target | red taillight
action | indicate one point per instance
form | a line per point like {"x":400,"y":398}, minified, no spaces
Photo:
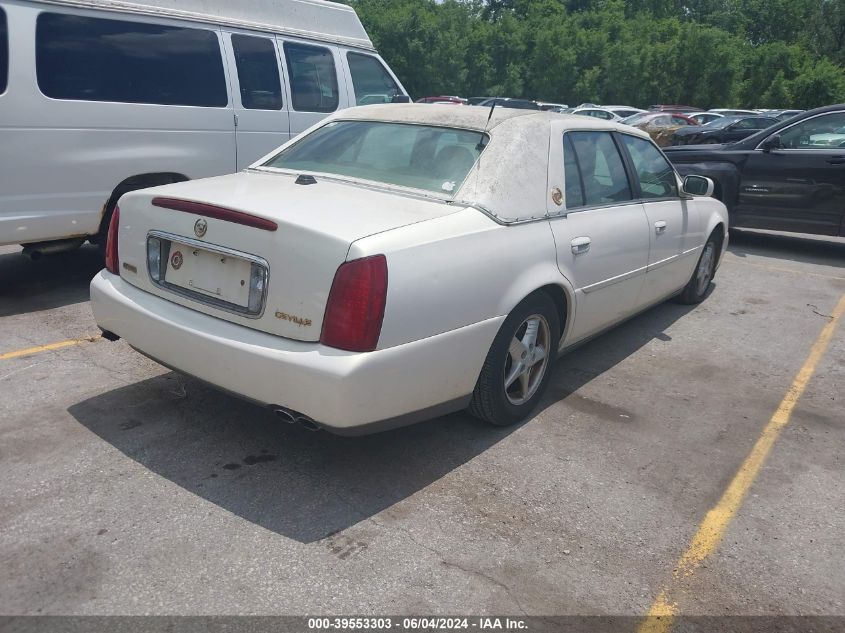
{"x":112,"y":263}
{"x":355,"y":309}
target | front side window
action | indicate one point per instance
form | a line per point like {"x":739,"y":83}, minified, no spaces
{"x":602,"y":172}
{"x":417,"y":156}
{"x":95,"y":59}
{"x":4,"y":52}
{"x":820,"y":132}
{"x":372,"y":83}
{"x":313,"y":78}
{"x":655,"y":174}
{"x":258,"y":72}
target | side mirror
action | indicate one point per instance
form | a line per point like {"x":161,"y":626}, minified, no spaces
{"x":773,"y":142}
{"x":697,"y":186}
{"x":400,"y":99}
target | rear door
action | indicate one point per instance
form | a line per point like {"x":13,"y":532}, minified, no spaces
{"x":601,"y":231}
{"x":801,"y":186}
{"x":261,"y":110}
{"x":316,"y":87}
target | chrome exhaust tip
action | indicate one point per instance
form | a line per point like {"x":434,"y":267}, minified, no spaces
{"x":295,"y":417}
{"x":286,"y":415}
{"x":308,"y":423}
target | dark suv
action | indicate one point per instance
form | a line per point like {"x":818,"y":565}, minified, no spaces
{"x":789,"y":177}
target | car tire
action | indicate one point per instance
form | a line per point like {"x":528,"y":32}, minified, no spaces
{"x":515,"y":376}
{"x":702,"y":277}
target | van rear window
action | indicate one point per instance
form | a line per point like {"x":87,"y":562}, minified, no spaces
{"x":4,"y":52}
{"x":95,"y":59}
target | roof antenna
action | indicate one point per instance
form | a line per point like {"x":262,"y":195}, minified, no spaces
{"x":481,"y":145}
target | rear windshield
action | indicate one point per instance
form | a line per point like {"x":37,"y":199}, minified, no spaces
{"x":422,"y":157}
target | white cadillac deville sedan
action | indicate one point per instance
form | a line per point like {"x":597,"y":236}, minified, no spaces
{"x":398,"y":262}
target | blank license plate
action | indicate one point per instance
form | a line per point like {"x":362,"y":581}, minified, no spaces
{"x":213,"y":274}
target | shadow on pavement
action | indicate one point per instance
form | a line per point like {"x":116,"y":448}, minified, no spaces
{"x":51,"y":282}
{"x":808,"y":249}
{"x":304,"y":485}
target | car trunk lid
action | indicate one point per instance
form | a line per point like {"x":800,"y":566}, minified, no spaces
{"x":255,"y":248}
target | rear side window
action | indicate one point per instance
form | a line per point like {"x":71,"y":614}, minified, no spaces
{"x":258,"y":72}
{"x":4,"y":52}
{"x":93,"y":59}
{"x":572,"y":176}
{"x":313,"y":78}
{"x":600,"y":168}
{"x":372,"y":83}
{"x":656,"y":176}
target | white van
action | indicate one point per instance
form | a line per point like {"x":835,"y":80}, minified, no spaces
{"x":101,"y":97}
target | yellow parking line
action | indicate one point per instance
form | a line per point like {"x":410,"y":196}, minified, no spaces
{"x":47,"y":348}
{"x":715,"y":523}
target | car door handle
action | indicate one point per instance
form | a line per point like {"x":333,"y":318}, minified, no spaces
{"x":660,"y":227}
{"x":836,"y":160}
{"x":580,"y":245}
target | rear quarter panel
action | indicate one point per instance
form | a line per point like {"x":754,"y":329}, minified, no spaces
{"x":458,"y":270}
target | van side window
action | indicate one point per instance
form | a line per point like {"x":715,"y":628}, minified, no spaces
{"x":313,"y":79}
{"x":4,"y":52}
{"x":95,"y":59}
{"x":372,"y":83}
{"x":258,"y":72}
{"x":602,"y":170}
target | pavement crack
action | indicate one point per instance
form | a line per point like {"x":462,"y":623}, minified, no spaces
{"x":815,"y":310}
{"x":458,"y":566}
{"x":488,"y":578}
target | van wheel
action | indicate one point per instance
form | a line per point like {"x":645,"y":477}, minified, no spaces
{"x":699,"y":284}
{"x":519,"y":364}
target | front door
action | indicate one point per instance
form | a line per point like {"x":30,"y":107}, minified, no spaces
{"x":601,"y":231}
{"x":261,"y":113}
{"x":801,"y":185}
{"x":673,"y":223}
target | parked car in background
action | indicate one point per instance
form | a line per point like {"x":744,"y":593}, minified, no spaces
{"x":477,"y":100}
{"x":673,"y":108}
{"x":507,"y":102}
{"x":783,"y":115}
{"x":552,"y":107}
{"x":110,"y":97}
{"x":661,"y":126}
{"x":703,"y":118}
{"x":396,"y":263}
{"x":623,"y":112}
{"x":728,"y":129}
{"x":734,"y":112}
{"x":789,"y":177}
{"x":597,"y":113}
{"x":442,"y":99}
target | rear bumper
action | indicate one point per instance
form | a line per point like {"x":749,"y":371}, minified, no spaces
{"x":342,"y":391}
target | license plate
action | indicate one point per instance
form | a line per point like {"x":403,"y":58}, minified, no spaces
{"x":222,"y":276}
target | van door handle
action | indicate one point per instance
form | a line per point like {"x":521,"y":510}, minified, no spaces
{"x":580,"y":245}
{"x":836,"y":160}
{"x":660,"y":227}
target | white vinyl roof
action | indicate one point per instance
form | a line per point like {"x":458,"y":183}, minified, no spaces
{"x":509,"y":181}
{"x":312,"y":19}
